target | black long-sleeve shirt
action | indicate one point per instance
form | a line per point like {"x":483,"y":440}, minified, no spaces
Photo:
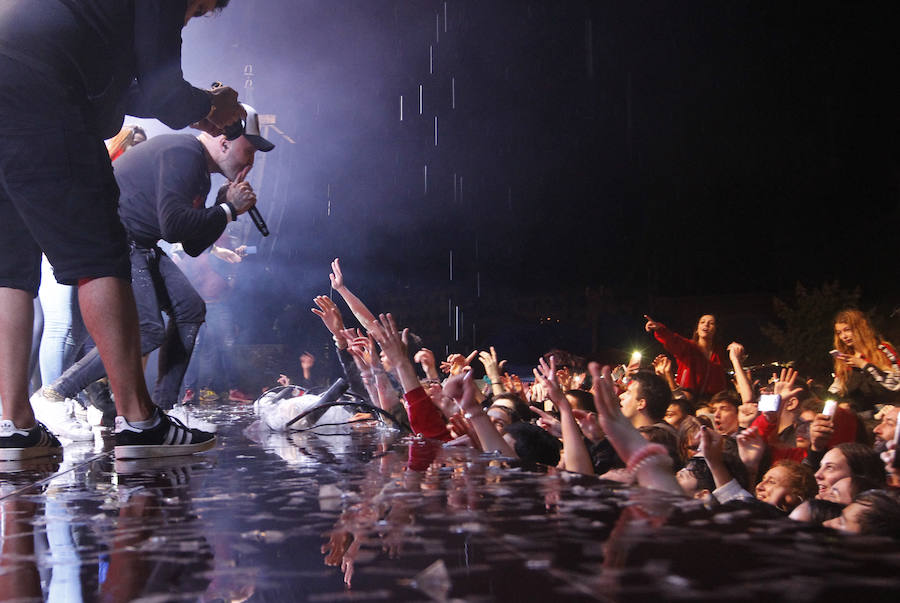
{"x":164,"y":183}
{"x":114,"y":56}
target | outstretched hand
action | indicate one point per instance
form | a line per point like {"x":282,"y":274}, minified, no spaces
{"x":329,"y":313}
{"x":492,"y":366}
{"x":457,"y":363}
{"x":651,"y":325}
{"x":751,"y":447}
{"x":784,"y":387}
{"x":336,"y":276}
{"x":546,"y":375}
{"x":621,"y":433}
{"x":393,"y":342}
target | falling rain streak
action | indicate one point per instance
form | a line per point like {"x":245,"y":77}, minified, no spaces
{"x":435,"y":130}
{"x":401,"y":107}
{"x":431,"y":60}
{"x":420,"y":99}
{"x":426,"y":179}
{"x":451,"y":265}
{"x":453,"y":93}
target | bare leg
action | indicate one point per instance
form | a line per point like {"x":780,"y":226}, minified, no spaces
{"x":110,"y":315}
{"x":15,"y":349}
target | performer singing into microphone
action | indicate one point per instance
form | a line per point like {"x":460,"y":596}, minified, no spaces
{"x":164,"y":183}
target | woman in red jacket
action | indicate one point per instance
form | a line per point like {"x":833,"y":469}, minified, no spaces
{"x":700,"y":370}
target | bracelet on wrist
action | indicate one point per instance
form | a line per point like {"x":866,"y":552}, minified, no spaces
{"x":637,"y":458}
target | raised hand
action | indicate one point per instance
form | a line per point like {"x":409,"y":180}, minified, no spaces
{"x":548,"y":422}
{"x":564,"y":378}
{"x":492,"y":366}
{"x":662,"y":365}
{"x":457,"y":363}
{"x":462,"y":388}
{"x":307,"y":361}
{"x":589,"y":424}
{"x":736,"y":351}
{"x":547,"y":375}
{"x":425,"y":357}
{"x":621,"y":433}
{"x":751,"y":447}
{"x":820,"y":432}
{"x":336,"y":276}
{"x":330,"y":314}
{"x":284,"y":380}
{"x":784,"y":387}
{"x":651,"y":325}
{"x":393,"y":343}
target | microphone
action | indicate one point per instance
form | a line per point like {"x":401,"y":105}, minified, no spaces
{"x":329,"y":396}
{"x":258,"y":221}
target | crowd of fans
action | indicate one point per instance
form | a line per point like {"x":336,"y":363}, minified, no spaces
{"x":695,"y":423}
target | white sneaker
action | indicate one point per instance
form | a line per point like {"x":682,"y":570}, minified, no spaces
{"x":190,"y":419}
{"x":59,"y":417}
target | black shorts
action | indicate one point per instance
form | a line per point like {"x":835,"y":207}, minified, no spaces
{"x":57,"y":190}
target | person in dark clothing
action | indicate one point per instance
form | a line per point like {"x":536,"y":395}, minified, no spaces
{"x":164,"y":184}
{"x":69,"y":71}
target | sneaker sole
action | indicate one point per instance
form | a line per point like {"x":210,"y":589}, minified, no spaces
{"x":34,"y":452}
{"x":162,"y":450}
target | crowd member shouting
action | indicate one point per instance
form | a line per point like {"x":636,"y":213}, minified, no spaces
{"x":866,"y":370}
{"x":700,"y":371}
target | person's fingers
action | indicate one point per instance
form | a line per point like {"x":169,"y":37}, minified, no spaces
{"x":542,"y":413}
{"x":318,"y":312}
{"x":471,"y":357}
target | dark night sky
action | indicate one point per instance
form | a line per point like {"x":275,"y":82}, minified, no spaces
{"x":663,"y":148}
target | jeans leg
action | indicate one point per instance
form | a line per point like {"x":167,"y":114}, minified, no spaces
{"x":90,"y":367}
{"x":57,"y":343}
{"x":186,"y":314}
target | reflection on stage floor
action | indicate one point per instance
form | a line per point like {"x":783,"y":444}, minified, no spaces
{"x":365,"y":514}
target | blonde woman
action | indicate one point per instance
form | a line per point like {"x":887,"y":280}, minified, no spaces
{"x":865,"y":367}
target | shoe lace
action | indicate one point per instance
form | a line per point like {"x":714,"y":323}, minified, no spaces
{"x":177,"y":422}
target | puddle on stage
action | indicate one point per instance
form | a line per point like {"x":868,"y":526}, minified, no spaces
{"x":363,"y":514}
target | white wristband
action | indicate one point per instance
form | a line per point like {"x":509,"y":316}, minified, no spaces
{"x":228,"y":216}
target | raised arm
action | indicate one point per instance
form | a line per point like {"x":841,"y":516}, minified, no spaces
{"x":424,"y":416}
{"x":650,"y":463}
{"x":493,"y":368}
{"x":737,"y":355}
{"x":359,"y":309}
{"x":462,"y":388}
{"x":575,"y":453}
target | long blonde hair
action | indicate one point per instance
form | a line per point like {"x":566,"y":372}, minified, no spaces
{"x":123,"y":141}
{"x":865,"y":341}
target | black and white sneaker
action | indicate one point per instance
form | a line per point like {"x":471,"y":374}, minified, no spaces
{"x":169,"y":437}
{"x":20,"y":444}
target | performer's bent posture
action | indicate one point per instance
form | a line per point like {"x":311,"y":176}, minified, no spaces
{"x":164,"y":183}
{"x":68,"y":73}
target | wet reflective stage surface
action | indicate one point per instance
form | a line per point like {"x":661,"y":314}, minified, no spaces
{"x":369,"y":516}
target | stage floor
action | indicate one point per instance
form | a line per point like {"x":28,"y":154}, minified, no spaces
{"x":370,"y":516}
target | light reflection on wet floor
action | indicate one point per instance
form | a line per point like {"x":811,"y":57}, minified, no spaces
{"x":292,"y":519}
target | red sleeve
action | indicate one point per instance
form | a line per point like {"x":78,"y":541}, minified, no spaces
{"x":762,"y":424}
{"x":674,"y":343}
{"x":424,"y":417}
